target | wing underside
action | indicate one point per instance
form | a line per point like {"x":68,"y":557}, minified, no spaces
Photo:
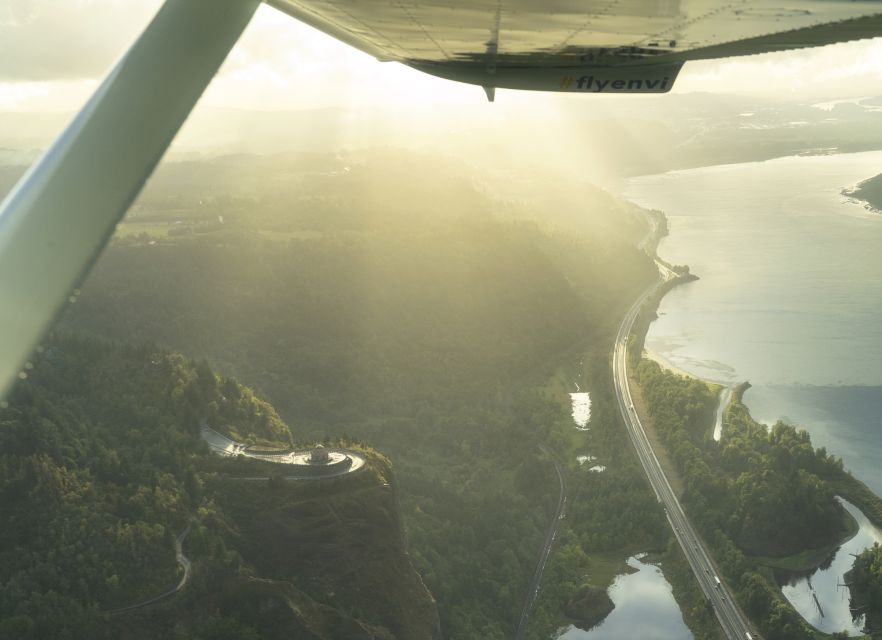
{"x":550,"y":45}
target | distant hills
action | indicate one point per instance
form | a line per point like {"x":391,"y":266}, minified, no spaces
{"x":597,"y":139}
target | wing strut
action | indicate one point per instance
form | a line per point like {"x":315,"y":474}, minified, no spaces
{"x":57,"y":219}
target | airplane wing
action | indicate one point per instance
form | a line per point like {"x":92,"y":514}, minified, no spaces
{"x":599,"y":46}
{"x":55,"y":222}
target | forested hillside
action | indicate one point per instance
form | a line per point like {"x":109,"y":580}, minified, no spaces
{"x":406,"y":301}
{"x":99,"y":450}
{"x":357,"y":293}
{"x":102,"y":467}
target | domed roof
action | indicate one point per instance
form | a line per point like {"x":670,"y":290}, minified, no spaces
{"x":319,"y":455}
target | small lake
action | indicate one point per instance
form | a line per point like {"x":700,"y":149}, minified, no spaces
{"x":817,"y":594}
{"x":645,"y":609}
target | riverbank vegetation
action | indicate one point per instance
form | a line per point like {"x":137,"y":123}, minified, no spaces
{"x":870,"y":191}
{"x":865,"y":583}
{"x":758,"y":492}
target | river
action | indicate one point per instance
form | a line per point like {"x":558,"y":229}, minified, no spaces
{"x":790,"y":295}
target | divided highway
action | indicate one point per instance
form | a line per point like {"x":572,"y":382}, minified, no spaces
{"x":733,"y":621}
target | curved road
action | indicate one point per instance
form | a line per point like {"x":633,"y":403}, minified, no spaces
{"x":546,"y":548}
{"x":734,"y":622}
{"x":228,"y":448}
{"x":183,"y":560}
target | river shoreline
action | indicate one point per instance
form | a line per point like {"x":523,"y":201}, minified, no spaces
{"x":856,"y":193}
{"x":866,"y":500}
{"x":853,"y":489}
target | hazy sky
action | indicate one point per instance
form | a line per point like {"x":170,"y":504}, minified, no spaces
{"x":52,"y":52}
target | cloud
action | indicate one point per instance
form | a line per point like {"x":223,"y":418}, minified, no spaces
{"x":44,"y":40}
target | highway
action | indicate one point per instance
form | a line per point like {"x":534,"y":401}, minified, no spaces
{"x":732,"y":620}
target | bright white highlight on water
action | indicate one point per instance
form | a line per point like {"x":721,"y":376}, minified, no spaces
{"x":581,"y":409}
{"x":790,"y":290}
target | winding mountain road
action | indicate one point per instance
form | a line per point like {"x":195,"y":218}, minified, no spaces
{"x":185,"y":564}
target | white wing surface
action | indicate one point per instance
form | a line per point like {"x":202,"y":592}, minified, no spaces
{"x":615,"y":46}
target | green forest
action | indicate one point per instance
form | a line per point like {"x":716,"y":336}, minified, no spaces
{"x":759,"y":494}
{"x":421,"y":317}
{"x":865,"y":583}
{"x":99,"y":472}
{"x":103,"y":468}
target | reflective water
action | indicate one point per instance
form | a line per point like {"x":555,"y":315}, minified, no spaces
{"x":790,"y":295}
{"x":645,"y":609}
{"x":845,"y":420}
{"x":790,"y":298}
{"x":818,"y":596}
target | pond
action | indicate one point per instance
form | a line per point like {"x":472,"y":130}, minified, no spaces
{"x":645,"y":609}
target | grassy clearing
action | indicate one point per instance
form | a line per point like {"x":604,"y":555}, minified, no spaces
{"x":603,"y":567}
